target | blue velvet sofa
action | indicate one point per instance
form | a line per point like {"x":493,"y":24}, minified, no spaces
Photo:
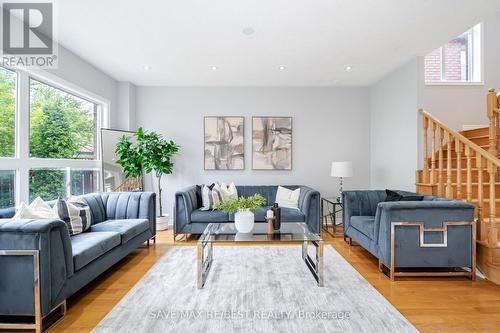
{"x":190,"y":219}
{"x":121,"y":223}
{"x":435,"y":235}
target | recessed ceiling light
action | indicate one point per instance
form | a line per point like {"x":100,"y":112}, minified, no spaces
{"x":248,"y":31}
{"x":214,"y":68}
{"x":348,"y":68}
{"x":146,"y":67}
{"x":282,"y":68}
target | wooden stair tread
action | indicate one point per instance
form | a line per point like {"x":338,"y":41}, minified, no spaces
{"x":474,"y":200}
{"x":484,"y":243}
{"x":471,"y":138}
{"x":455,"y":184}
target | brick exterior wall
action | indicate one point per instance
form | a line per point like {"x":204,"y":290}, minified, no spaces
{"x":453,"y":62}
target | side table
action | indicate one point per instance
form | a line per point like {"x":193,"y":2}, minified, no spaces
{"x":333,"y":207}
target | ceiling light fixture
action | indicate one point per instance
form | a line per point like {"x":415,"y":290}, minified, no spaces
{"x":348,"y":68}
{"x":282,"y":68}
{"x":248,"y":31}
{"x":146,"y":67}
{"x":214,"y":68}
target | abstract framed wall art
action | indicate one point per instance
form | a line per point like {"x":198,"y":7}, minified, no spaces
{"x":272,"y":143}
{"x":224,"y":143}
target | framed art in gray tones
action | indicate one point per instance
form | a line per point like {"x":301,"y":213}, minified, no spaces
{"x":224,"y":143}
{"x":272,"y":143}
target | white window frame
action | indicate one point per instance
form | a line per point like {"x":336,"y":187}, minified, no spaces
{"x":22,"y":162}
{"x":477,"y":61}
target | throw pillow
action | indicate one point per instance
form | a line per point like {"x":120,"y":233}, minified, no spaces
{"x":228,"y":192}
{"x":210,"y":196}
{"x":75,"y":213}
{"x":395,"y":196}
{"x":199,"y":200}
{"x":287,"y":198}
{"x":38,"y":209}
{"x":392,"y":196}
{"x":412,"y":198}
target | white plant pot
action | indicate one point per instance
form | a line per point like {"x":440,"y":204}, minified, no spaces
{"x":162,"y":222}
{"x":243,"y":236}
{"x":244,"y":220}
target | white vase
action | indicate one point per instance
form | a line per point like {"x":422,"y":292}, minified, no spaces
{"x":162,"y":222}
{"x":244,"y":220}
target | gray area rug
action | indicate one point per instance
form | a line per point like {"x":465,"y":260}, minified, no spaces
{"x":253,"y":289}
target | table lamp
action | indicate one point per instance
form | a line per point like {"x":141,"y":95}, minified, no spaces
{"x":341,"y":170}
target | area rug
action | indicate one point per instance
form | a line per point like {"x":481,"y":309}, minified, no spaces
{"x":253,"y":289}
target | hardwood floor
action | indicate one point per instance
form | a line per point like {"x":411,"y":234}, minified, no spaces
{"x":432,"y":305}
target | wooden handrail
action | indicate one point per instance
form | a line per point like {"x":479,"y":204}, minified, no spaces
{"x":459,"y":137}
{"x":130,"y":184}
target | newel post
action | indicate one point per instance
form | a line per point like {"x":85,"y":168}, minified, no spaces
{"x":425,"y":124}
{"x":493,"y":119}
{"x":492,"y":232}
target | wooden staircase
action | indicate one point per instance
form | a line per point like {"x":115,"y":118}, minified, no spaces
{"x":465,"y":166}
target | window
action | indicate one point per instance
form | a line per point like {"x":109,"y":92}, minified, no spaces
{"x":7,"y":112}
{"x":53,"y":152}
{"x":51,"y":184}
{"x":7,"y":193}
{"x":459,"y":61}
{"x":61,"y":125}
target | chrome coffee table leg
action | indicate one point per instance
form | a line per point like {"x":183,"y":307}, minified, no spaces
{"x":316,"y":265}
{"x":204,"y":262}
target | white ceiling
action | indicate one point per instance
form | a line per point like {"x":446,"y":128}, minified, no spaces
{"x":315,"y":39}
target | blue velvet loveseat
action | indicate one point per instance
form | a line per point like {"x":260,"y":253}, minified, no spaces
{"x":435,"y":235}
{"x":190,"y":219}
{"x":121,"y":222}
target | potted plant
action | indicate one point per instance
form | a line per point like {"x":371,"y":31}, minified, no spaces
{"x":244,"y":207}
{"x":151,"y":152}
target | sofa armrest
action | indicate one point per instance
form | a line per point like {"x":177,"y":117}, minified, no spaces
{"x":51,"y":239}
{"x":309,"y":204}
{"x":185,"y":204}
{"x":360,"y":203}
{"x":431,"y":213}
{"x":7,"y":213}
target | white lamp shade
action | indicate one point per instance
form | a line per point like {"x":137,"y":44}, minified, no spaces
{"x":342,"y":169}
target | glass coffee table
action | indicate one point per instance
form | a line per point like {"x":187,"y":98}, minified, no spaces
{"x":290,"y":233}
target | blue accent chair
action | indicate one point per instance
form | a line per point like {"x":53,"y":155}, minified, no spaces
{"x":121,"y":223}
{"x":190,"y":219}
{"x":435,"y":235}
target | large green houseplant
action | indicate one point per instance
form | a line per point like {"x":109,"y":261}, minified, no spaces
{"x":151,"y":152}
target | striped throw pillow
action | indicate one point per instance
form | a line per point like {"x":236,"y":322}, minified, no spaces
{"x":75,"y":213}
{"x":210,"y":195}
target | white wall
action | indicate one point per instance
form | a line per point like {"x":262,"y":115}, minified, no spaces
{"x":466,"y":104}
{"x":328,"y":124}
{"x":393,"y":128}
{"x":126,"y":106}
{"x":82,"y":75}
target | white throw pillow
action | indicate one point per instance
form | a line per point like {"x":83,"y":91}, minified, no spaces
{"x":38,"y":209}
{"x":287,"y":198}
{"x":228,"y":193}
{"x":210,"y":196}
